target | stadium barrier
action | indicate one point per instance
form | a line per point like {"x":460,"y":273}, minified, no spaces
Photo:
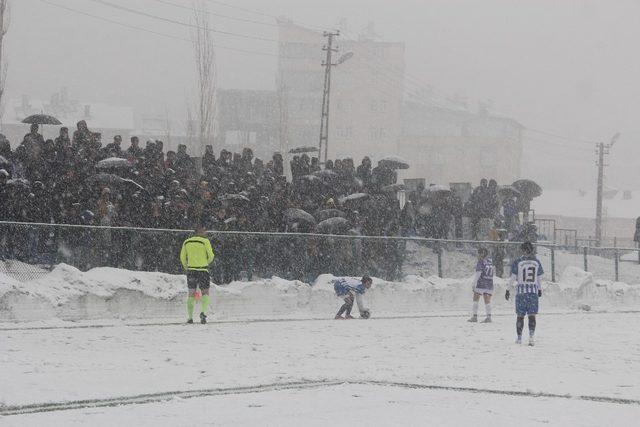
{"x":28,"y":251}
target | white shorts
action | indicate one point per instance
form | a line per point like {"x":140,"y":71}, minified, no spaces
{"x":483,"y":291}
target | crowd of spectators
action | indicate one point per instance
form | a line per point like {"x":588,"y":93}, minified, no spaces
{"x":75,"y":179}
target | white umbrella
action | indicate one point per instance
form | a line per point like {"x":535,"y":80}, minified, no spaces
{"x":113,"y":162}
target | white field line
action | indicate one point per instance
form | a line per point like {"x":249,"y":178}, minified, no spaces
{"x":295,"y":385}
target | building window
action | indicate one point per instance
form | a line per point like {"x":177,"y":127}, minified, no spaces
{"x":344,"y":131}
{"x":379,"y":105}
{"x":377,"y":132}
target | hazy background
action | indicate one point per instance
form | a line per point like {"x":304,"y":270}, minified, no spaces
{"x":568,"y":67}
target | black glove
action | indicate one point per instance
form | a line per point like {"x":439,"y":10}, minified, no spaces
{"x":507,"y":295}
{"x":539,"y":293}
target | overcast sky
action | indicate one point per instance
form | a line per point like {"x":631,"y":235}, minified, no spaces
{"x":568,"y":67}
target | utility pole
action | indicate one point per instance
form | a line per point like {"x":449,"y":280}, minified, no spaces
{"x":4,"y":26}
{"x":602,"y":150}
{"x":324,"y":120}
{"x":600,"y":163}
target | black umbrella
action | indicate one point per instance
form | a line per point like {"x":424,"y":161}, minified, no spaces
{"x":298,"y":215}
{"x":394,"y":162}
{"x":19,"y":183}
{"x":353,"y":199}
{"x":114,"y":163}
{"x":438,"y":189}
{"x":116,"y":181}
{"x":300,"y":150}
{"x":42,"y":119}
{"x":357,"y":183}
{"x":230,"y":221}
{"x":507,"y":191}
{"x":311,"y":178}
{"x":4,"y":163}
{"x":393,"y":188}
{"x":233,"y":198}
{"x":131,"y":184}
{"x":333,"y":225}
{"x":528,"y":188}
{"x":326,"y":174}
{"x":329,"y":213}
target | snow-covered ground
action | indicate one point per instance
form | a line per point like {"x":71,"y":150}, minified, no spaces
{"x":437,"y":370}
{"x":108,"y":293}
{"x":348,"y":405}
{"x":110,"y":346}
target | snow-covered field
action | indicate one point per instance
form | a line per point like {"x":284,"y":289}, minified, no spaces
{"x":431,"y":370}
{"x":108,"y":347}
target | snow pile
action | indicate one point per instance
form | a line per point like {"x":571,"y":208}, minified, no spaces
{"x":579,"y":289}
{"x":575,"y":278}
{"x":68,"y":293}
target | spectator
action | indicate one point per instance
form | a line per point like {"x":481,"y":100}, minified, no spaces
{"x":235,"y":192}
{"x":115,"y":148}
{"x":209,"y":164}
{"x":134,"y":152}
{"x":83,"y":138}
{"x":364,"y":172}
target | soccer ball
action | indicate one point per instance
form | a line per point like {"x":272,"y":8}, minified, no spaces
{"x":365,"y":314}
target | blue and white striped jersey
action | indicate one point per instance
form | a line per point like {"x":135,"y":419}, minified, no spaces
{"x":526,"y":272}
{"x":344,"y":285}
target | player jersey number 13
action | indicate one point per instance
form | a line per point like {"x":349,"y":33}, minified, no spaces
{"x":528,"y":272}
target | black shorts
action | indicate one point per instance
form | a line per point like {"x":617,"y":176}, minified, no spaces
{"x":198,"y":279}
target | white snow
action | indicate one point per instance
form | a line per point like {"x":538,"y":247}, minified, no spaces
{"x":348,"y":405}
{"x":109,"y":293}
{"x":579,"y":354}
{"x":109,"y":333}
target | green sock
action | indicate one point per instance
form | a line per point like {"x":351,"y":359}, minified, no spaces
{"x":204,"y":303}
{"x":191,"y":301}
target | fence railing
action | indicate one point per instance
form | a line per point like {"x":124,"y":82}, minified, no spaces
{"x":30,"y":250}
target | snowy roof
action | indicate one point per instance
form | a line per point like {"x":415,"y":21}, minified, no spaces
{"x":581,"y":204}
{"x":97,"y":115}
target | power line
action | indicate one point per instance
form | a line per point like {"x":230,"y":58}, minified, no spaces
{"x":219,"y":15}
{"x":134,"y":27}
{"x":567,"y":145}
{"x":555,"y":135}
{"x":390,"y":71}
{"x":184,"y":24}
{"x":257,"y":12}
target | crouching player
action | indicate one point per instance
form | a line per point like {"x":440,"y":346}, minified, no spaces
{"x":482,"y":285}
{"x":349,"y":289}
{"x":526,"y":272}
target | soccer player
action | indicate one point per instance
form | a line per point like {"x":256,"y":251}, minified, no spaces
{"x":526,"y":272}
{"x":196,"y":255}
{"x":348,"y":289}
{"x":483,"y":285}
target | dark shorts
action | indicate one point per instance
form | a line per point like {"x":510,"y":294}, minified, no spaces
{"x":198,"y":279}
{"x":526,"y":304}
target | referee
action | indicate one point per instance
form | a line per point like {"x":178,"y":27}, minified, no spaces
{"x":196,"y":255}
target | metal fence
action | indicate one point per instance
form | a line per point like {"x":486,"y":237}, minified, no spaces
{"x":29,"y":251}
